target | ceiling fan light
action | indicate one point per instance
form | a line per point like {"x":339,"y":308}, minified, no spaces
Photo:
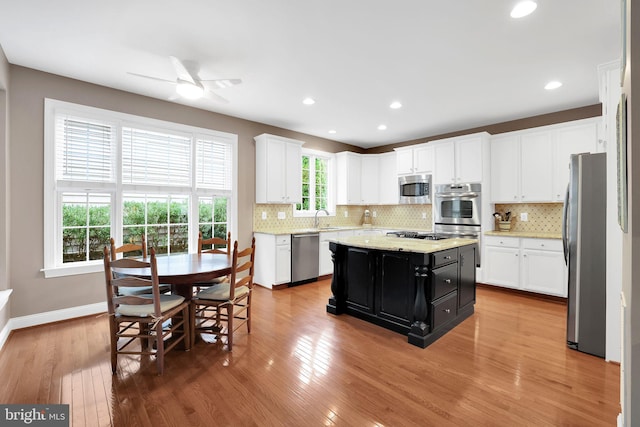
{"x":523,"y":9}
{"x":189,"y":90}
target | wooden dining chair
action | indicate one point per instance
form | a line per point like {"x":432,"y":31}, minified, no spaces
{"x":223,"y":308}
{"x":139,"y":317}
{"x":214,"y":245}
{"x":137,"y":250}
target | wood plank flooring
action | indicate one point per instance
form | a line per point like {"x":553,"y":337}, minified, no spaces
{"x":507,"y":365}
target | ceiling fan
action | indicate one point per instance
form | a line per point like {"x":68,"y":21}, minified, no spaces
{"x":190,"y":86}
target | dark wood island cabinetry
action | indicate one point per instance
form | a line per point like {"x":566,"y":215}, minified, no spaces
{"x":421,"y":289}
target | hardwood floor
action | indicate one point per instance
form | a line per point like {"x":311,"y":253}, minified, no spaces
{"x":507,"y":365}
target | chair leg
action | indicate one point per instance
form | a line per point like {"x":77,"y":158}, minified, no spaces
{"x":186,"y":317}
{"x":230,"y":314}
{"x":113,"y":328}
{"x":192,"y":321}
{"x":159,"y":348}
{"x":249,"y":314}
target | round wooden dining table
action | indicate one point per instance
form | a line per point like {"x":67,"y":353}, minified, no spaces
{"x":181,"y":271}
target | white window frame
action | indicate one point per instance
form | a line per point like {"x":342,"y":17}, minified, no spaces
{"x":331,"y":179}
{"x":53,"y":266}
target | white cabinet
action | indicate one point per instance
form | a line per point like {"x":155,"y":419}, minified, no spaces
{"x":543,"y":267}
{"x":325,"y":262}
{"x":370,"y":174}
{"x":416,"y":159}
{"x":273,"y":259}
{"x":534,"y":265}
{"x":533,"y":165}
{"x":458,"y":160}
{"x":278,"y":169}
{"x":581,"y":138}
{"x":388,"y":191}
{"x":349,"y":177}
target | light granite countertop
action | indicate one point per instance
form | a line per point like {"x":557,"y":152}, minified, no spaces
{"x":390,"y":243}
{"x":290,"y":230}
{"x":528,"y":234}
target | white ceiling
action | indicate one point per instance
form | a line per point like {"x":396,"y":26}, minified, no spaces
{"x":454,"y":65}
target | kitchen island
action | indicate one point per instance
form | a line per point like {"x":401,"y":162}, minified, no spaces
{"x":421,"y":288}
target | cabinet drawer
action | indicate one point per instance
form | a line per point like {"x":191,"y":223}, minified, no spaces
{"x":445,"y":257}
{"x":542,"y":244}
{"x":444,"y":280}
{"x":444,"y":310}
{"x":283,"y":239}
{"x":507,"y":242}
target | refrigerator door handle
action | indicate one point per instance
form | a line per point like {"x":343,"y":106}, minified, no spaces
{"x":565,"y":225}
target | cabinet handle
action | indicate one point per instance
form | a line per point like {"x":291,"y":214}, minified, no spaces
{"x":516,"y":254}
{"x":542,"y":244}
{"x":501,"y":242}
{"x":447,"y":281}
{"x":525,"y":255}
{"x":447,"y":310}
{"x":447,"y":257}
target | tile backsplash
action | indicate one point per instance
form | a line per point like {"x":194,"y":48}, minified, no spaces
{"x":542,"y":217}
{"x":386,"y":216}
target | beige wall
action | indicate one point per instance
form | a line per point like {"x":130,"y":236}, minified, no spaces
{"x":32,"y":293}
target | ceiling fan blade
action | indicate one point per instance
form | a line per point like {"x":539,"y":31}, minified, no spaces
{"x":181,"y":70}
{"x":152,"y":78}
{"x":224,"y":83}
{"x":215,"y":97}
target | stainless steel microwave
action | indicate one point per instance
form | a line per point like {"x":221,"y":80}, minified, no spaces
{"x":415,"y":189}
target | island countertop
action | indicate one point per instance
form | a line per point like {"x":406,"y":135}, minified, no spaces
{"x":391,"y":243}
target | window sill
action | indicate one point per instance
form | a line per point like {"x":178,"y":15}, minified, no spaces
{"x":308,"y":214}
{"x":69,"y":270}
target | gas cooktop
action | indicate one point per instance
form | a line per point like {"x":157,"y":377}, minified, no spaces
{"x":417,"y":235}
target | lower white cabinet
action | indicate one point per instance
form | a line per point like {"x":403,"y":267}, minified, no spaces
{"x":273,"y":259}
{"x":325,"y":262}
{"x":535,"y":265}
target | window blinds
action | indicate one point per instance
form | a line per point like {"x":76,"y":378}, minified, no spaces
{"x":83,"y":149}
{"x":213,"y":164}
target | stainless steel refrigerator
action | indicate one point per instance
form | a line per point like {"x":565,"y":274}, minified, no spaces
{"x":584,"y":238}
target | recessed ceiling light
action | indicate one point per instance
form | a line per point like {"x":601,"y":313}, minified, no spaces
{"x":523,"y":9}
{"x":308,"y":101}
{"x":553,"y":85}
{"x":332,"y":131}
{"x":395,"y":105}
{"x":382,"y":127}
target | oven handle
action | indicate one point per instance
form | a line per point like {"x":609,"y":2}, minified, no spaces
{"x":452,"y":195}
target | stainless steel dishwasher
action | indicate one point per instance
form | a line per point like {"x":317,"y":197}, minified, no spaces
{"x":304,"y":257}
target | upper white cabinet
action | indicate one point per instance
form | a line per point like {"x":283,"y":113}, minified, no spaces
{"x":458,"y":160}
{"x":278,"y":169}
{"x":533,"y":165}
{"x":581,"y":138}
{"x":349,"y":177}
{"x":415,"y":159}
{"x":370,"y":173}
{"x":388,"y":193}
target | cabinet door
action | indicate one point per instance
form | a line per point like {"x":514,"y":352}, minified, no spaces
{"x":505,"y":169}
{"x":468,"y":153}
{"x":423,"y":159}
{"x":370,"y":172}
{"x":502,"y":266}
{"x":544,"y":272}
{"x":404,"y":161}
{"x":349,"y":172}
{"x":277,"y":164}
{"x":283,"y":264}
{"x":395,"y":294}
{"x":388,"y":180}
{"x":444,"y":155}
{"x":536,"y":173}
{"x":570,"y":140}
{"x":293,"y":174}
{"x":360,"y":280}
{"x":467,"y":275}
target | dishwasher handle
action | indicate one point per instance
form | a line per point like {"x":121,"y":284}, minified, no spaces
{"x":300,"y":236}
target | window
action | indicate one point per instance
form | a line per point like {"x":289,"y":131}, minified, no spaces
{"x":317,"y":183}
{"x":109,"y":174}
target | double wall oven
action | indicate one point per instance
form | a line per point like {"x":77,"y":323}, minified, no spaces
{"x":456,"y":210}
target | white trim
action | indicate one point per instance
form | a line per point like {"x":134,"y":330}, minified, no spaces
{"x":72,"y":270}
{"x":49,"y":317}
{"x":57,"y":315}
{"x":4,"y":297}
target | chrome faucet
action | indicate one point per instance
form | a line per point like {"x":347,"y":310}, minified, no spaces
{"x":316,"y":221}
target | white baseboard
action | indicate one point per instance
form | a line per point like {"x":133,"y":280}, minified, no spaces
{"x":57,"y":315}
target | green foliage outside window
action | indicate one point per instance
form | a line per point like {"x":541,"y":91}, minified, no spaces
{"x":314,"y":184}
